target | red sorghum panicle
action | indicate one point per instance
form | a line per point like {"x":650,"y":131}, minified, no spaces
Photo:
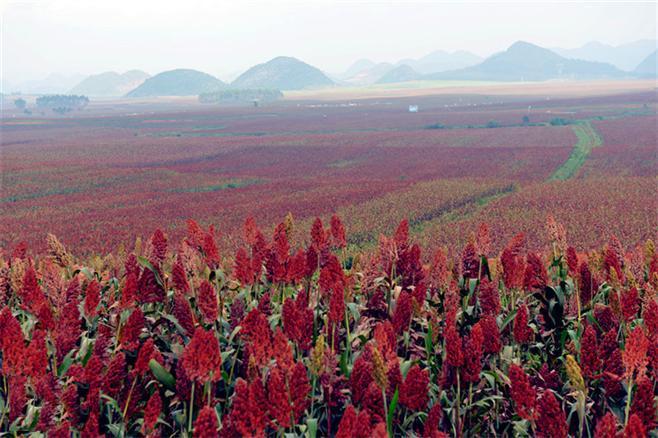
{"x":179,"y":277}
{"x":201,"y":357}
{"x":207,"y":302}
{"x":361,"y":376}
{"x":17,"y":395}
{"x":439,"y":272}
{"x":257,"y":335}
{"x":635,"y":428}
{"x":318,"y":234}
{"x":492,"y":343}
{"x":182,"y":311}
{"x":483,"y":240}
{"x":453,"y":342}
{"x":535,"y":276}
{"x":11,"y":342}
{"x":551,"y":421}
{"x":605,"y":318}
{"x":147,"y":352}
{"x":150,"y":290}
{"x":523,"y":393}
{"x":36,"y":356}
{"x":643,"y":403}
{"x":152,"y":412}
{"x":243,"y":269}
{"x":512,"y":263}
{"x":385,"y":337}
{"x":431,"y":426}
{"x":410,"y":267}
{"x":206,"y":424}
{"x":331,"y":275}
{"x":249,"y":412}
{"x":91,"y":426}
{"x":413,"y":392}
{"x":548,"y":378}
{"x":635,"y":353}
{"x":115,"y":375}
{"x":650,"y":316}
{"x":210,"y":250}
{"x":61,"y":431}
{"x":589,"y":353}
{"x":299,"y":390}
{"x":473,"y":354}
{"x":611,"y":262}
{"x":489,"y":298}
{"x":522,"y":332}
{"x":588,"y":286}
{"x":572,"y":260}
{"x":470,"y":262}
{"x":606,"y":427}
{"x":348,"y":424}
{"x":298,"y":321}
{"x":236,"y":313}
{"x":630,"y":304}
{"x":336,"y":307}
{"x":92,"y":299}
{"x":401,"y":236}
{"x":338,"y":232}
{"x":67,"y":330}
{"x":159,"y":247}
{"x":130,"y":332}
{"x":311,"y":262}
{"x":403,"y":312}
{"x":277,"y":397}
{"x":129,"y":292}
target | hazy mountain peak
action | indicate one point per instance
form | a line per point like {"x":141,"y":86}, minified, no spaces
{"x":178,"y":82}
{"x":524,"y":61}
{"x":357,"y":67}
{"x":283,"y":73}
{"x":110,"y":83}
{"x":649,"y":66}
{"x":401,"y":73}
{"x":624,"y":56}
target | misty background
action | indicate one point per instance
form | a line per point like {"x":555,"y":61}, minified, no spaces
{"x":72,"y":39}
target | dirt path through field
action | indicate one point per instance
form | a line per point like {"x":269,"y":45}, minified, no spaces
{"x":587,"y":139}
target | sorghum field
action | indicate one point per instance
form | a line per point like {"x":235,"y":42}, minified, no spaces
{"x":107,"y":175}
{"x":484,"y":267}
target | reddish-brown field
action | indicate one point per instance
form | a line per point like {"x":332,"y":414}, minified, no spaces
{"x":103,"y":177}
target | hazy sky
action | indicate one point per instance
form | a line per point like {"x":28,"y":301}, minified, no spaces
{"x":224,"y":37}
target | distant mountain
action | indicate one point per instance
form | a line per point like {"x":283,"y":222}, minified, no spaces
{"x":357,"y":67}
{"x":366,"y":72}
{"x":402,"y":73}
{"x":369,"y":75}
{"x":527,"y":62}
{"x":180,"y":82}
{"x":624,"y":57}
{"x":282,"y":73}
{"x":648,"y":67}
{"x":110,"y":84}
{"x":440,"y":60}
{"x":53,"y":84}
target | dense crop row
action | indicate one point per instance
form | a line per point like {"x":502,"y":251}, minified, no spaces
{"x":629,"y":148}
{"x":174,"y":338}
{"x":590,"y":209}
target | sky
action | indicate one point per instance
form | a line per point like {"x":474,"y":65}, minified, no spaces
{"x":221,"y":37}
